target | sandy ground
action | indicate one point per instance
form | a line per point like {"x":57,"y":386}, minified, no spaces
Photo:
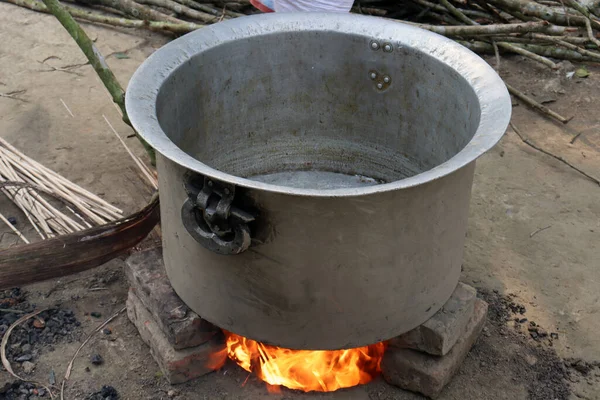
{"x":554,"y":273}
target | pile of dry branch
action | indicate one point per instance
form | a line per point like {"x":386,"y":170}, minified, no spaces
{"x":542,"y":30}
{"x":539,"y":30}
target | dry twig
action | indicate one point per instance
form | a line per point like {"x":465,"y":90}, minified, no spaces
{"x":532,"y":234}
{"x":89,"y":16}
{"x":70,"y":366}
{"x":14,"y":95}
{"x":143,"y":169}
{"x":578,"y":49}
{"x":538,"y":106}
{"x":457,"y":13}
{"x":590,"y":33}
{"x":5,"y":361}
{"x":559,"y":158}
{"x":14,"y":229}
{"x":181,"y":10}
{"x":495,"y":29}
{"x":524,"y":52}
{"x":10,"y":310}
{"x":131,"y":8}
{"x":23,"y":180}
{"x":575,"y":138}
{"x":209,"y":9}
{"x":533,"y":9}
{"x":67,"y":107}
{"x":497,"y":55}
{"x":546,"y":51}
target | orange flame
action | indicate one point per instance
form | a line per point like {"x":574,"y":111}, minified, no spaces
{"x":306,"y":370}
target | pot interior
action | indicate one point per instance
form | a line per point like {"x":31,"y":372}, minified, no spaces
{"x":317,"y":109}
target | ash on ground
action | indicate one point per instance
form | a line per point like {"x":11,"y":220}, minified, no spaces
{"x":546,"y":374}
{"x":50,"y":327}
{"x":19,"y":390}
{"x":105,"y":393}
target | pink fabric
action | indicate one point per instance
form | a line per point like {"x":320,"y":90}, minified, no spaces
{"x":262,"y":7}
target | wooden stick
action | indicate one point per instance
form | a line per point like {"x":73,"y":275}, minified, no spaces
{"x":532,"y":103}
{"x":100,"y":212}
{"x":53,"y":210}
{"x":26,"y":173}
{"x":466,"y":12}
{"x":181,"y":10}
{"x":27,"y":215}
{"x":208,"y":9}
{"x":15,"y":230}
{"x":52,"y":176}
{"x":40,"y":213}
{"x":533,"y":9}
{"x":519,"y":50}
{"x":70,"y":366}
{"x":129,"y":7}
{"x":40,"y":199}
{"x":578,"y":49}
{"x":155,"y":26}
{"x":476,"y":30}
{"x":35,"y":210}
{"x":532,"y":234}
{"x":137,"y":162}
{"x":590,"y":33}
{"x":575,"y":4}
{"x":556,"y":52}
{"x":67,"y":107}
{"x":492,"y":10}
{"x":150,"y":172}
{"x":20,"y":201}
{"x":497,"y":55}
{"x":61,"y":190}
{"x":87,"y":224}
{"x":479,"y":46}
{"x":539,"y":38}
{"x":559,"y":158}
{"x":594,"y":7}
{"x":63,"y":217}
{"x":77,"y":202}
{"x":457,"y":13}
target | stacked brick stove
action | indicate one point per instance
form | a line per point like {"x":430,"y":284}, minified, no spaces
{"x":180,"y":341}
{"x":186,"y":347}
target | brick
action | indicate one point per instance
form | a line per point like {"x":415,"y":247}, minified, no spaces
{"x":428,"y":374}
{"x":439,"y":333}
{"x":147,"y":277}
{"x":178,"y":366}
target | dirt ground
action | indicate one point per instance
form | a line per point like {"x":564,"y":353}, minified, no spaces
{"x":554,"y":273}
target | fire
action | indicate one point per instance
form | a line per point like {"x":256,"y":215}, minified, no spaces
{"x":306,"y":370}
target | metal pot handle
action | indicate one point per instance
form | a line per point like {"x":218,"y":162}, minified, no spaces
{"x":211,"y":219}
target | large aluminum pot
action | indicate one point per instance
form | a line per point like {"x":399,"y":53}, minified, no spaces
{"x":315,"y":171}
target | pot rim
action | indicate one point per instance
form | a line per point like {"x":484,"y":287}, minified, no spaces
{"x":144,"y":87}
